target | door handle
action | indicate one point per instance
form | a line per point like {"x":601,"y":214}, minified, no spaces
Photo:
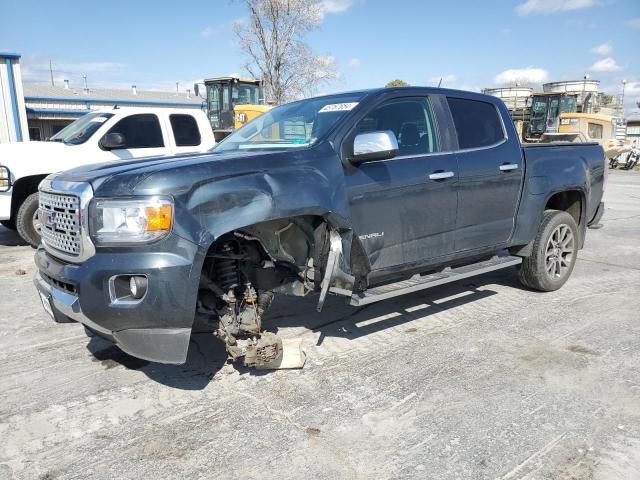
{"x":508,"y":166}
{"x":440,"y":175}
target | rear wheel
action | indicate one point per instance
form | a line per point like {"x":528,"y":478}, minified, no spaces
{"x":554,"y":253}
{"x":27,"y":222}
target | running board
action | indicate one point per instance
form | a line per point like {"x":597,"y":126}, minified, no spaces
{"x":417,"y":282}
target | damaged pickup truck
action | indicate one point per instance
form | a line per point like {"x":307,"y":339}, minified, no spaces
{"x":365,"y":195}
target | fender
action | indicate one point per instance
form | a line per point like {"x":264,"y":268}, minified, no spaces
{"x":550,"y":171}
{"x":209,"y":206}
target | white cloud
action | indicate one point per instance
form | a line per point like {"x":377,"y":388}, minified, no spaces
{"x":354,"y":63}
{"x":606,"y":65}
{"x":335,"y":6}
{"x":604,"y":49}
{"x":91,"y":67}
{"x":522,"y":75}
{"x":447,"y":80}
{"x":537,"y":7}
{"x":326,"y":67}
{"x":634,"y":22}
{"x":209,"y":32}
{"x":38,"y":72}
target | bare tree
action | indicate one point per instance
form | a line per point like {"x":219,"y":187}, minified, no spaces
{"x":273,"y":41}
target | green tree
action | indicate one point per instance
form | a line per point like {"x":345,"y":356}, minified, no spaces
{"x":397,"y":83}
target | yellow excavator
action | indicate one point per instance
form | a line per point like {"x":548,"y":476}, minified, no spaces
{"x":231,"y":102}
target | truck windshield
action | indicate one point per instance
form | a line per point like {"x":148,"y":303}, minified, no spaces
{"x":294,"y":125}
{"x":81,"y":130}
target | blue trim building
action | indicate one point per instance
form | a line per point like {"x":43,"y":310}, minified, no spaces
{"x":51,"y":108}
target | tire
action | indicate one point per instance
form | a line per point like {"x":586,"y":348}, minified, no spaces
{"x":27,"y":222}
{"x":555,"y":249}
{"x":10,"y":224}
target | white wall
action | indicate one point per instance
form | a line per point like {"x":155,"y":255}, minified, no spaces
{"x":12,"y":101}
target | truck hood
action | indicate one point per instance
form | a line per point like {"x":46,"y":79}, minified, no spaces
{"x":122,"y":177}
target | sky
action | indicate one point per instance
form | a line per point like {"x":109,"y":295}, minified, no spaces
{"x":468,"y":44}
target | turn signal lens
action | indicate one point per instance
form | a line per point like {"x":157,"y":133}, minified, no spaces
{"x":159,"y":218}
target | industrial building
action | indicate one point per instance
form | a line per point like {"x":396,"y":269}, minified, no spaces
{"x":37,"y":112}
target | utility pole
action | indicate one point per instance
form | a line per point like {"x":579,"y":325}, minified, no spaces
{"x":51,"y":72}
{"x":624,"y":84}
{"x":177,"y":90}
{"x":86,"y":87}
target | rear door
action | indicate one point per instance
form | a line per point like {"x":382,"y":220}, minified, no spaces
{"x":185,"y":133}
{"x":490,"y":176}
{"x":404,"y":209}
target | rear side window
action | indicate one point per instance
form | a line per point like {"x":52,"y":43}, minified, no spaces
{"x":140,"y":131}
{"x":185,"y":130}
{"x":477,"y":123}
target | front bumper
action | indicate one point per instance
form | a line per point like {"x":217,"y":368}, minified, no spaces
{"x":5,"y":205}
{"x":158,"y":327}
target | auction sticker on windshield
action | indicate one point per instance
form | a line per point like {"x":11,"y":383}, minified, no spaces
{"x":338,"y":107}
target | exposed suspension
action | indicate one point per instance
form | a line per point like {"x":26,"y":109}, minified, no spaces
{"x":239,"y":307}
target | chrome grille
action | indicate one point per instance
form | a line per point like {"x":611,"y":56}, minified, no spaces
{"x":60,"y":219}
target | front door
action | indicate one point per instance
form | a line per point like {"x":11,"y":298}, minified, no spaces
{"x":143,"y":136}
{"x":490,"y":175}
{"x":404,"y":209}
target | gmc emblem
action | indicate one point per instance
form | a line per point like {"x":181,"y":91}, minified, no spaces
{"x":48,"y":219}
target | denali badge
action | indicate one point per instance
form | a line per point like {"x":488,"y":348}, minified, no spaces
{"x":367,"y":236}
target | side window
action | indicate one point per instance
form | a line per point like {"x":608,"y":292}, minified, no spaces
{"x":595,"y":130}
{"x":477,"y":123}
{"x":185,"y":130}
{"x":140,"y":131}
{"x":411,"y":121}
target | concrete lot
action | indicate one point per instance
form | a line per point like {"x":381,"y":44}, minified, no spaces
{"x":479,"y":379}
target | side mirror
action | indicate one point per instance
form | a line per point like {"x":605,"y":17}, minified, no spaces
{"x":371,"y":146}
{"x":113,"y":141}
{"x":200,"y":90}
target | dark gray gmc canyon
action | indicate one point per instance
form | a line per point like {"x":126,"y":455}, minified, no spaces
{"x":366,"y":195}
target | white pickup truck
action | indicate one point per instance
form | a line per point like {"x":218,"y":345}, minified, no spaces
{"x":100,"y":136}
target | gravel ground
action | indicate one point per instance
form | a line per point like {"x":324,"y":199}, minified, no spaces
{"x":478,"y":379}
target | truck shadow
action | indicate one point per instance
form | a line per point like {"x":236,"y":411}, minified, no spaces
{"x":293,"y":316}
{"x":340,"y":320}
{"x":10,"y":238}
{"x":206,"y":356}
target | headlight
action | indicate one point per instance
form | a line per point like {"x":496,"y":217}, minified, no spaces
{"x":5,"y":179}
{"x":131,"y":220}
